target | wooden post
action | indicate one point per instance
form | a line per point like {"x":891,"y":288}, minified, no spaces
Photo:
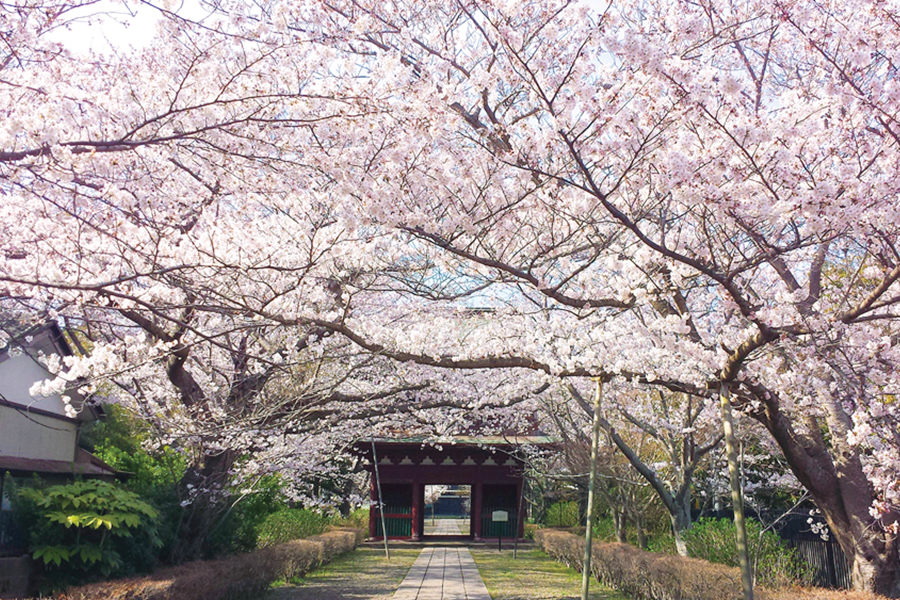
{"x":737,"y":498}
{"x":416,"y":511}
{"x":589,"y":529}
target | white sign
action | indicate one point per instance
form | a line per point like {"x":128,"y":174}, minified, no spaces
{"x":499,"y":516}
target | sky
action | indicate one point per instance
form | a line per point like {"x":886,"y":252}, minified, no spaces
{"x":112,"y":25}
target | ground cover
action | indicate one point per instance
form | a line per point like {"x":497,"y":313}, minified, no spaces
{"x":533,"y":576}
{"x":362,"y":574}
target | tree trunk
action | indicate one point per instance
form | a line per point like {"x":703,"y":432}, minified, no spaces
{"x":836,"y":480}
{"x":620,"y":523}
{"x":681,"y":522}
{"x":202,"y":511}
{"x":881,"y":575}
{"x":680,"y":515}
{"x":639,"y":531}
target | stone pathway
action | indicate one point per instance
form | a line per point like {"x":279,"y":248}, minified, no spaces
{"x":443,"y":574}
{"x":446,"y":527}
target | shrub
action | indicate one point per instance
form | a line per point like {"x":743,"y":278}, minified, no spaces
{"x":715,"y":540}
{"x":85,"y":529}
{"x":530,"y":528}
{"x":233,"y":578}
{"x":563,"y":514}
{"x":645,"y":575}
{"x":604,"y":529}
{"x":238,"y":530}
{"x":290,"y":524}
{"x":358,"y":519}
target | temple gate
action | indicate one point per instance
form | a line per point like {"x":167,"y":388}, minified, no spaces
{"x":491,"y":466}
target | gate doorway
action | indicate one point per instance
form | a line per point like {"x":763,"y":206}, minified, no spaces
{"x":487,"y":471}
{"x":448,"y":510}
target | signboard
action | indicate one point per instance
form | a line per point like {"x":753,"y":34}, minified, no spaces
{"x":499,"y":516}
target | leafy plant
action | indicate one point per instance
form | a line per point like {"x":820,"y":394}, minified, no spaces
{"x":715,"y":540}
{"x":291,"y":524}
{"x":358,"y":518}
{"x":82,"y":528}
{"x":119,"y":440}
{"x":563,"y":514}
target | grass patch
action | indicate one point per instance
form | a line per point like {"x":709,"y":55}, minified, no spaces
{"x":533,"y":576}
{"x":363,"y":573}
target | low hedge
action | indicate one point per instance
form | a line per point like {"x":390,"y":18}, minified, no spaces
{"x":644,"y":575}
{"x":232,"y":578}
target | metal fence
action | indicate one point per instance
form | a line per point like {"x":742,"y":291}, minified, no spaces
{"x":830,"y":566}
{"x":12,"y":538}
{"x":397,"y":519}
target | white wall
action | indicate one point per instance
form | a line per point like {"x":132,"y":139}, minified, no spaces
{"x":17,"y":375}
{"x":35,"y":436}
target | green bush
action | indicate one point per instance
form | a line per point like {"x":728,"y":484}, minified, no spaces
{"x":604,"y":529}
{"x":290,"y":524}
{"x":357,"y":519}
{"x":238,"y":529}
{"x":88,"y":528}
{"x":563,"y":514}
{"x":715,"y":540}
{"x":119,"y":438}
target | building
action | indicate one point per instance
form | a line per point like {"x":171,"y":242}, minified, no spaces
{"x":37,"y":435}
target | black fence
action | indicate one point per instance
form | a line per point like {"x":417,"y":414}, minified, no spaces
{"x":830,"y":567}
{"x":12,"y":538}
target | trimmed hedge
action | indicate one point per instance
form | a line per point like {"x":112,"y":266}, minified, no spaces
{"x":652,"y":576}
{"x":232,"y":578}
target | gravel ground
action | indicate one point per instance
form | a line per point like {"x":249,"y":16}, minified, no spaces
{"x":363,"y":574}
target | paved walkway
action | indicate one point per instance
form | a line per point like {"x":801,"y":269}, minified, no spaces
{"x":446,"y":527}
{"x":443,"y":574}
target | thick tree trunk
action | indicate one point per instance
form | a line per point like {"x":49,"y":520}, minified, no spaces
{"x":880,"y":575}
{"x":834,"y":475}
{"x":202,"y":511}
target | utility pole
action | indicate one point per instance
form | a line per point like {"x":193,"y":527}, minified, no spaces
{"x":737,"y":498}
{"x":384,"y":532}
{"x":589,"y":530}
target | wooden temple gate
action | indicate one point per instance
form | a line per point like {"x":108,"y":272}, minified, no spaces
{"x":491,"y":467}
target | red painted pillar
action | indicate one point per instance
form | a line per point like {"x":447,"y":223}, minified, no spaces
{"x":417,"y":498}
{"x":476,"y":509}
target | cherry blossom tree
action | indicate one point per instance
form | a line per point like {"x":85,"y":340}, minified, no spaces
{"x":685,"y":195}
{"x":681,"y":429}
